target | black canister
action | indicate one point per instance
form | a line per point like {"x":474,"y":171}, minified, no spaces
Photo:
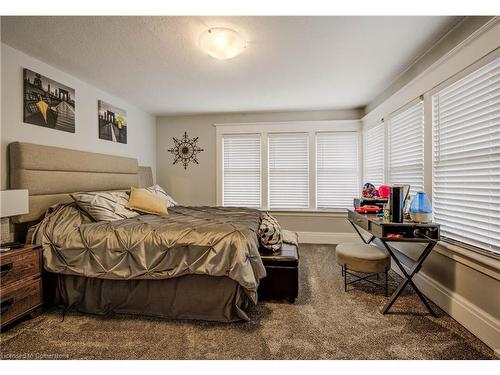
{"x":396,"y":203}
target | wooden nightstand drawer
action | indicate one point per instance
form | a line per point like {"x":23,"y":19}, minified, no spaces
{"x":17,"y":300}
{"x":16,"y":265}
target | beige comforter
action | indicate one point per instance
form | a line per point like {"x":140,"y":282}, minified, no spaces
{"x":214,"y":241}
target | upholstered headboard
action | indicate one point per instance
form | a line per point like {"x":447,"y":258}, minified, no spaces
{"x":145,"y":176}
{"x":51,"y":173}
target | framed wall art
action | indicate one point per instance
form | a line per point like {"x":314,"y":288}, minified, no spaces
{"x":48,"y":103}
{"x":112,"y":122}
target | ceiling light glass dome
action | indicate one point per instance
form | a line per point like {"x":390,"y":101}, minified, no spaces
{"x":222,"y":43}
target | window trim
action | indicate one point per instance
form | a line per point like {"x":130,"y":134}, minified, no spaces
{"x":264,"y":128}
{"x":485,"y":60}
{"x":429,"y":152}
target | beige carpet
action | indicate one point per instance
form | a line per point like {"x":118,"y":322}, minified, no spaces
{"x":324,"y":323}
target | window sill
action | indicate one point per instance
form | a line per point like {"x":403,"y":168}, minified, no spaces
{"x":486,"y":264}
{"x":308,"y":213}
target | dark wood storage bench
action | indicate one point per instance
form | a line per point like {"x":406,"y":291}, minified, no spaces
{"x":282,"y":280}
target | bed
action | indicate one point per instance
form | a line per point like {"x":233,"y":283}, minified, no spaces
{"x":195,"y":263}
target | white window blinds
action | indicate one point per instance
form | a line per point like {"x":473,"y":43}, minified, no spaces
{"x":337,"y":172}
{"x":466,"y":182}
{"x":288,"y":170}
{"x":241,"y":170}
{"x":373,"y":155}
{"x":406,"y":148}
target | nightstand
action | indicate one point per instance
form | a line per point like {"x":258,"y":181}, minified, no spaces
{"x":20,"y":283}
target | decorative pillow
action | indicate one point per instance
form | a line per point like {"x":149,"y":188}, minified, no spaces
{"x":104,"y":205}
{"x":158,"y":190}
{"x":270,"y":233}
{"x":143,"y":200}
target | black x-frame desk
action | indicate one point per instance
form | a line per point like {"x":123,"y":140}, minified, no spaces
{"x":410,"y":232}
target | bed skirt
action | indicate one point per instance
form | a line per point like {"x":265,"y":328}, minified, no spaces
{"x":199,"y":297}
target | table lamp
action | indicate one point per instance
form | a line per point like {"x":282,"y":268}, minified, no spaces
{"x":12,"y":203}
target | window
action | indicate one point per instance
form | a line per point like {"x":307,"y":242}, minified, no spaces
{"x":296,"y":165}
{"x":289,"y":170}
{"x":337,"y":178}
{"x":373,"y":155}
{"x":466,"y":174}
{"x":406,"y":148}
{"x":241,"y":172}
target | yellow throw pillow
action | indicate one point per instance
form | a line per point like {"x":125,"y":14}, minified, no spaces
{"x":145,"y":201}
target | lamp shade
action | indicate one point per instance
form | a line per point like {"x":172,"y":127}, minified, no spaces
{"x":13,"y":202}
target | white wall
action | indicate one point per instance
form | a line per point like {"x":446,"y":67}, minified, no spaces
{"x":463,"y":283}
{"x":141,"y":142}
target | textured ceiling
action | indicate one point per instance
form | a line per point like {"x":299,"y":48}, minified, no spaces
{"x":291,"y":63}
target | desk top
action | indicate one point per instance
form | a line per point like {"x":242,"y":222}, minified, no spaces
{"x":379,"y":227}
{"x":373,"y":218}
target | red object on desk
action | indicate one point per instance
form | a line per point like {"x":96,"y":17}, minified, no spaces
{"x":384,"y":191}
{"x":368,"y":209}
{"x":394,"y":236}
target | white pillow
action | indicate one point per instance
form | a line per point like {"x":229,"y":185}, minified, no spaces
{"x":104,"y":205}
{"x":158,"y":190}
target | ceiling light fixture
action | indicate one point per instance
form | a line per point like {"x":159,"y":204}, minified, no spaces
{"x":222,"y":43}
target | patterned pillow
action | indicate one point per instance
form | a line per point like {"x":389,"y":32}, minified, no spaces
{"x":104,"y":205}
{"x":270,"y":233}
{"x":158,"y":190}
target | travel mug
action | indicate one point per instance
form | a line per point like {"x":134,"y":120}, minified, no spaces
{"x":396,"y":201}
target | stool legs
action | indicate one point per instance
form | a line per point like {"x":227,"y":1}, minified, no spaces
{"x":386,"y":283}
{"x":345,"y":277}
{"x":385,"y":286}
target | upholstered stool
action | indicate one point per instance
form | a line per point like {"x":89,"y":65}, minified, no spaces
{"x":363,"y":258}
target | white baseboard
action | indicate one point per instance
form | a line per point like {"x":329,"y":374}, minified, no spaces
{"x":327,"y":237}
{"x":483,"y":325}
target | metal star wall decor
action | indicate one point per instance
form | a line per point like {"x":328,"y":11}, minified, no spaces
{"x":185,"y":150}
